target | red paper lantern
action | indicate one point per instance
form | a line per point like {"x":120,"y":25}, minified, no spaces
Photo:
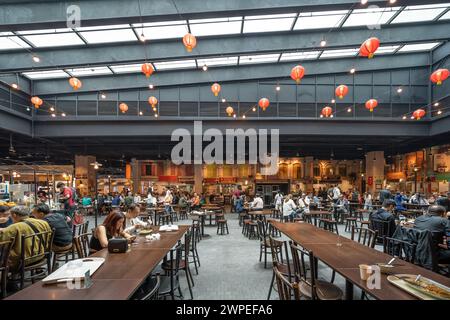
{"x":369,"y":47}
{"x":189,"y":41}
{"x":341,"y":91}
{"x":229,"y":110}
{"x":153,"y":101}
{"x":147,"y":69}
{"x":37,"y":102}
{"x":419,"y":114}
{"x":297,"y":73}
{"x":123,"y":107}
{"x":327,"y":111}
{"x":215,"y":88}
{"x":439,"y":76}
{"x":264,"y":103}
{"x":371,"y":104}
{"x":75,"y":83}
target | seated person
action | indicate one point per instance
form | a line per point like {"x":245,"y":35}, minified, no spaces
{"x":239,"y":204}
{"x":195,"y":201}
{"x":399,"y":201}
{"x":86,"y":201}
{"x":151,"y":200}
{"x":112,"y":227}
{"x":385,"y":214}
{"x":5,"y":217}
{"x":22,"y":225}
{"x":444,"y":201}
{"x":418,"y":199}
{"x":132,"y":220}
{"x":289,"y":208}
{"x":435,"y":222}
{"x":63,"y":237}
{"x":183,"y":202}
{"x":257,"y":203}
{"x":341,"y":207}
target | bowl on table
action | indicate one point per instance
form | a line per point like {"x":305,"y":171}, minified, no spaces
{"x":386,"y":268}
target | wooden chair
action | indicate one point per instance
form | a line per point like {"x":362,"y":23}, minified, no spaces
{"x":350,"y":222}
{"x":37,"y":248}
{"x":165,"y":218}
{"x":400,"y":249}
{"x":222,"y":225}
{"x":265,"y":245}
{"x":282,"y":265}
{"x":286,"y":289}
{"x":383,"y":229}
{"x":81,"y":244}
{"x":183,"y":263}
{"x":310,"y":286}
{"x":5,"y":249}
{"x":366,"y":236}
{"x":170,"y":280}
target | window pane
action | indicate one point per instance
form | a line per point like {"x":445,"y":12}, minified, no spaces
{"x":370,"y":17}
{"x":206,"y":27}
{"x":106,"y":34}
{"x":52,"y":37}
{"x":259,"y":58}
{"x":9,"y":41}
{"x":266,"y":23}
{"x":420,"y":13}
{"x":319,"y":20}
{"x":38,"y":75}
{"x":162,"y":30}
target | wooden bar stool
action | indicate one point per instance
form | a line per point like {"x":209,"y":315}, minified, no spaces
{"x":222,"y":225}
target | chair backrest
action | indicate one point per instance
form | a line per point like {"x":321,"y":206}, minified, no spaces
{"x":286,"y":289}
{"x":366,"y":236}
{"x":81,"y":228}
{"x":403,"y":250}
{"x":36,"y":247}
{"x":175,"y":256}
{"x":5,"y":249}
{"x":382,"y":227}
{"x":302,"y":259}
{"x":262,"y":232}
{"x":81,"y":243}
{"x":276,"y":249}
{"x":153,"y":294}
{"x":187,"y":244}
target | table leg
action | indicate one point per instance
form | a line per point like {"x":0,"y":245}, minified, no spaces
{"x":348,"y":290}
{"x":204,"y":235}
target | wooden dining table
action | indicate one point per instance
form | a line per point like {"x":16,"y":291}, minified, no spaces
{"x":117,"y":278}
{"x":346,"y":258}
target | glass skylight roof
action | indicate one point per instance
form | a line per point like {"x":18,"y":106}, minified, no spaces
{"x":79,"y":72}
{"x":104,"y":34}
{"x":371,"y":17}
{"x":162,"y":30}
{"x":386,"y":49}
{"x":51,"y":74}
{"x":260,"y":58}
{"x":320,"y":20}
{"x":267,"y":23}
{"x":52,"y":37}
{"x":222,"y":61}
{"x":126,"y":68}
{"x":179,"y":64}
{"x":419,"y":47}
{"x":420,"y":13}
{"x":299,"y":55}
{"x":445,"y":16}
{"x":9,"y":41}
{"x":206,"y":27}
{"x":339,"y":53}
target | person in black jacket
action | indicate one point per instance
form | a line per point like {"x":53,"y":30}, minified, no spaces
{"x":439,"y":226}
{"x":444,"y":201}
{"x":62,"y":239}
{"x":385,"y":214}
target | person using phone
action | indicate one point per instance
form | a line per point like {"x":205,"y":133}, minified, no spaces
{"x":112,"y":227}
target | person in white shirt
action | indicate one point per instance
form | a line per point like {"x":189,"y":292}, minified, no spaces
{"x":257,"y":203}
{"x":168,"y":198}
{"x":137,"y":198}
{"x":132,"y":220}
{"x":336,"y":193}
{"x":289,"y":208}
{"x":367,"y":201}
{"x":151,"y":200}
{"x":307,"y":200}
{"x":279,"y":201}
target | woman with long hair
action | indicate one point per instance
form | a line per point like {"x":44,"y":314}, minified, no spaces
{"x":112,"y":227}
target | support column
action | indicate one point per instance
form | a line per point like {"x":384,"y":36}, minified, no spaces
{"x":85,"y":174}
{"x":136,"y":176}
{"x":375,"y":171}
{"x":198,"y":178}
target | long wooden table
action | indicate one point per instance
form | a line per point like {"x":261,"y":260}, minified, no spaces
{"x":119,"y":276}
{"x":345,"y":260}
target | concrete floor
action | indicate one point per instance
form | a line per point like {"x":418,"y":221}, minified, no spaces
{"x":230,"y":267}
